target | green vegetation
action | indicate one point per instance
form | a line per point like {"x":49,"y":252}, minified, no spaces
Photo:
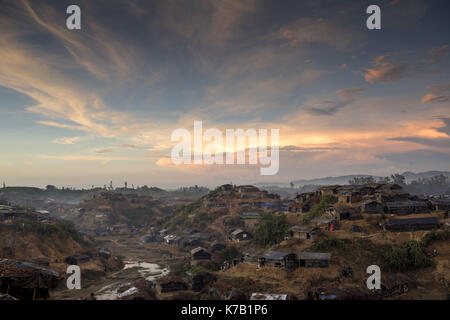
{"x":230,"y":254}
{"x":181,"y":216}
{"x":330,"y":243}
{"x":140,"y":215}
{"x":434,"y":236}
{"x":46,"y":232}
{"x":234,"y":222}
{"x":271,"y":230}
{"x":409,"y":256}
{"x":196,"y":270}
{"x":189,"y":216}
{"x":318,"y":209}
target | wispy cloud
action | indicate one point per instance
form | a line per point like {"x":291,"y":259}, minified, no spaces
{"x":67,"y":140}
{"x":317,"y":31}
{"x":437,"y":53}
{"x":384,"y":71}
{"x":437,"y":94}
{"x":347,"y":97}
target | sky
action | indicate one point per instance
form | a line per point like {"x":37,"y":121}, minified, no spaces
{"x":86,"y":107}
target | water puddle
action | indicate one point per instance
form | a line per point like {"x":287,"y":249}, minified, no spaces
{"x":148,"y":271}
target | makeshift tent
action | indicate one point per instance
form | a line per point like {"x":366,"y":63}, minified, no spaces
{"x":26,"y":280}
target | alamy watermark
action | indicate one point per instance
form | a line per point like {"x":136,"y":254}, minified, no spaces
{"x":374,"y":281}
{"x":209,"y":147}
{"x":74,"y":280}
{"x":73,"y":21}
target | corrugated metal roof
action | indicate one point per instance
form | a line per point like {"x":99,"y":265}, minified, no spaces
{"x":236,"y":232}
{"x":320,"y":220}
{"x":301,"y":228}
{"x":274,"y":255}
{"x":198,"y":249}
{"x":314,"y":255}
{"x":431,"y":220}
{"x":406,"y":204}
{"x":441,"y":201}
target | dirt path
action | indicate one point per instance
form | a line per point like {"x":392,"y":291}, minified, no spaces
{"x":130,"y":249}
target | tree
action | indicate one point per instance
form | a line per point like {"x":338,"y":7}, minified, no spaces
{"x":385,"y":180}
{"x":398,"y":179}
{"x":50,"y":187}
{"x":319,"y":208}
{"x":271,"y":229}
{"x":361,"y":180}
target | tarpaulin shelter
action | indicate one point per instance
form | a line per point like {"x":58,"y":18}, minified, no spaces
{"x":26,"y":280}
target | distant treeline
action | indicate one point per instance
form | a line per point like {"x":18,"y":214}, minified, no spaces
{"x":436,"y":185}
{"x":75,"y":195}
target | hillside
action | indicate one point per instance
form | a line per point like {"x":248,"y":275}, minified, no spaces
{"x":106,"y":209}
{"x":332,"y":220}
{"x":26,"y":236}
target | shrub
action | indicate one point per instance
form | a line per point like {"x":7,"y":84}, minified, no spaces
{"x":234,"y":222}
{"x":230,"y":254}
{"x":329,"y":243}
{"x":196,"y":270}
{"x":435,"y":236}
{"x":410,"y":255}
{"x":318,"y":209}
{"x":271,"y":229}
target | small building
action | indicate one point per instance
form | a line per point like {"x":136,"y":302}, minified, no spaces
{"x":372,"y":207}
{"x":269,"y":205}
{"x":303,"y":197}
{"x":304,"y":233}
{"x":350,"y":215}
{"x":250,"y":256}
{"x":77,"y":260}
{"x":413,"y":224}
{"x":247,"y":188}
{"x":226,"y":187}
{"x":328,"y":190}
{"x":349,"y":197}
{"x":277,"y":259}
{"x":406,"y":207}
{"x":148,"y":238}
{"x":202,"y":236}
{"x":170,"y":284}
{"x":440,"y":204}
{"x":322,"y":224}
{"x":217,"y":246}
{"x":26,"y":280}
{"x":240,"y":235}
{"x":172,"y":239}
{"x":314,"y":259}
{"x":191,"y":243}
{"x":40,"y":261}
{"x":200,"y":253}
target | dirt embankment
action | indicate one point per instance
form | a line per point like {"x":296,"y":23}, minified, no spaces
{"x":21,"y":246}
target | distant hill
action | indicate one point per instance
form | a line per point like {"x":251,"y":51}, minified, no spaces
{"x":410,"y":176}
